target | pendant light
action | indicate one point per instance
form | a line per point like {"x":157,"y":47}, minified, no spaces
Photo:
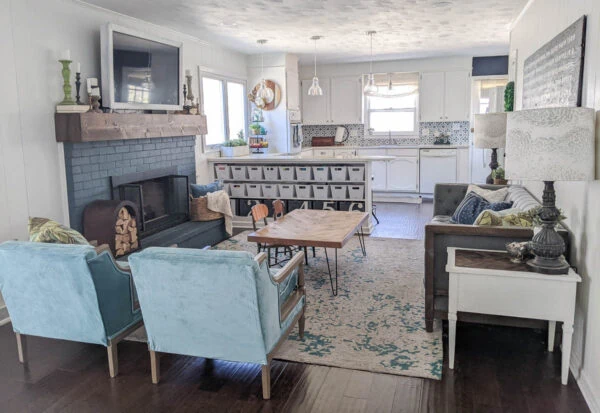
{"x":315,"y":89}
{"x":264,"y":92}
{"x":398,"y":90}
{"x":371,"y":88}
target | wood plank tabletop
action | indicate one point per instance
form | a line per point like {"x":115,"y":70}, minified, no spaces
{"x":311,"y":228}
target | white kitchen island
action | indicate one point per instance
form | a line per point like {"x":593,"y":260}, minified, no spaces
{"x":333,"y":183}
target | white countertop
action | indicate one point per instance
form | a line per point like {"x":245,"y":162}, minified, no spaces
{"x":285,"y":159}
{"x":387,"y":147}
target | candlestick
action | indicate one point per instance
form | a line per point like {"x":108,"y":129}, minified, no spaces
{"x":66,"y":55}
{"x":188,"y":78}
{"x":78,"y":67}
{"x":77,"y":86}
{"x":66,"y":74}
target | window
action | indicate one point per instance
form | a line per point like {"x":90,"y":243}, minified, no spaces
{"x":225,"y":108}
{"x":394,"y":108}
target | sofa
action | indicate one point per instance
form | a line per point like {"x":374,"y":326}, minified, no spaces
{"x":441,"y":234}
{"x":68,"y":292}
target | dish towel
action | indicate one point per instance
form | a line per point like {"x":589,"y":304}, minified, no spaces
{"x":219,"y":202}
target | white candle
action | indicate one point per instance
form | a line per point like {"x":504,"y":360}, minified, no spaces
{"x":66,"y":55}
{"x":188,"y":72}
{"x":78,"y":67}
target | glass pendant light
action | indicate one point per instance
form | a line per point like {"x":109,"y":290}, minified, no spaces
{"x":395,"y":91}
{"x":315,"y":89}
{"x":371,"y":88}
{"x":264,"y":92}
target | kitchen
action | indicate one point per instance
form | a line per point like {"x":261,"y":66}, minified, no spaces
{"x":430,"y":141}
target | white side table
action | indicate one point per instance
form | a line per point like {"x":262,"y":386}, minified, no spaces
{"x":487,"y":282}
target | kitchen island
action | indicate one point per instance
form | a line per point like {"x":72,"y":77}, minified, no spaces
{"x":331,"y":183}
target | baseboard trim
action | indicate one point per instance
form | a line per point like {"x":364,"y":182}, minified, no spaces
{"x":591,"y":396}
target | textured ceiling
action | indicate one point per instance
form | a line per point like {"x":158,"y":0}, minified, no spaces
{"x":405,"y":28}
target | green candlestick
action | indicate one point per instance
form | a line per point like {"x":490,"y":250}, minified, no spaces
{"x":66,"y":74}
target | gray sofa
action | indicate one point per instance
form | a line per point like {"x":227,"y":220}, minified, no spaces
{"x":440,"y":235}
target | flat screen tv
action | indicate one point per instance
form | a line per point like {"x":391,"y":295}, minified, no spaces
{"x":140,"y":71}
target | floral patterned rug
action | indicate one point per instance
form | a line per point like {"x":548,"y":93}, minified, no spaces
{"x":376,"y":323}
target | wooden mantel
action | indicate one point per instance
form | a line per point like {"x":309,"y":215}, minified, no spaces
{"x":91,"y":127}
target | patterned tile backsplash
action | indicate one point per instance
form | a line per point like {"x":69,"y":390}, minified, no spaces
{"x":458,"y":132}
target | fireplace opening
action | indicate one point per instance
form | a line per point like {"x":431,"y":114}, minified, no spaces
{"x":162,"y":198}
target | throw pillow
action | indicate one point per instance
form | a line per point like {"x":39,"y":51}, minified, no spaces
{"x":202,"y":190}
{"x":47,"y":230}
{"x":469,"y":209}
{"x":472,"y":205}
{"x":508,"y":218}
{"x":489,"y":195}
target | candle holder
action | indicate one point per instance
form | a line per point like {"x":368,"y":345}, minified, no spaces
{"x":66,"y":74}
{"x":77,"y":87}
{"x":190,"y":96}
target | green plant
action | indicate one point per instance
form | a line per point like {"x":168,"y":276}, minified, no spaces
{"x":534,"y":213}
{"x":509,"y":97}
{"x":240,"y":134}
{"x":498,"y":173}
{"x":234,"y":142}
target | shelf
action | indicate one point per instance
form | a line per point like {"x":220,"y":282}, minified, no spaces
{"x":91,"y":127}
{"x":295,"y":199}
{"x":254,"y":181}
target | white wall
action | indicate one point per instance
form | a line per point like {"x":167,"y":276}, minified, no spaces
{"x":543,"y":20}
{"x":33,"y":33}
{"x":408,"y":65}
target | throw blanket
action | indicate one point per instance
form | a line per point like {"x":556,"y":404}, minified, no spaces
{"x":219,"y":202}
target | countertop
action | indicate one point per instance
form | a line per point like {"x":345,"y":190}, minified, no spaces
{"x":289,"y":159}
{"x":351,"y":147}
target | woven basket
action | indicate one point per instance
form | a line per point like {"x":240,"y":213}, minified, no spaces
{"x":199,"y":210}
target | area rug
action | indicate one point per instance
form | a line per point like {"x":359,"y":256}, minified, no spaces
{"x":376,"y":323}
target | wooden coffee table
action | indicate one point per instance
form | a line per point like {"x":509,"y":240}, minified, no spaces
{"x":315,"y":228}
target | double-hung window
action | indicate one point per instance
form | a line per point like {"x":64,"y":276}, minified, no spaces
{"x":393,"y":109}
{"x":224,"y":102}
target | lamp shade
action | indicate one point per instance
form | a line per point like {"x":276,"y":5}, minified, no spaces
{"x":489,"y":130}
{"x":551,"y":144}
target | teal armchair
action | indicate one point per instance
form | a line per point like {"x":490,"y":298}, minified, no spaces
{"x":68,"y":292}
{"x":218,"y":305}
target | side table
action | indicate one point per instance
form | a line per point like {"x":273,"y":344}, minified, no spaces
{"x":487,"y":282}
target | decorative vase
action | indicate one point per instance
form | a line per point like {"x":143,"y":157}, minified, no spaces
{"x":500,"y":181}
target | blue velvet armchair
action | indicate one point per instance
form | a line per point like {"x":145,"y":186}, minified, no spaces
{"x":218,"y":304}
{"x":68,"y":292}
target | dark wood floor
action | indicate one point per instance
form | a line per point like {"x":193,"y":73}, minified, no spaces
{"x":498,"y":369}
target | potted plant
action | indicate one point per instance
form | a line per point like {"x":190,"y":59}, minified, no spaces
{"x":235,"y":147}
{"x":498,"y":176}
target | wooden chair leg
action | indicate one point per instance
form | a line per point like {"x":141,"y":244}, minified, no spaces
{"x":21,"y":347}
{"x":314,"y":252}
{"x":113,"y":360}
{"x":266,"y":381}
{"x":305,"y":256}
{"x":155,"y":366}
{"x":301,"y":322}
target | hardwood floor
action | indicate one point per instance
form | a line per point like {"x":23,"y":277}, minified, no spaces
{"x":405,"y":221}
{"x":498,"y":369}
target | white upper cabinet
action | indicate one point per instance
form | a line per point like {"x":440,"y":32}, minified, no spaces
{"x":431,"y":97}
{"x":340,"y":104}
{"x":292,"y":85}
{"x":457,"y":96}
{"x":346,"y":100}
{"x":315,"y":109}
{"x":445,"y":96}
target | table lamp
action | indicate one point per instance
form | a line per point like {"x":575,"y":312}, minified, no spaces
{"x":490,"y":133}
{"x":551,"y":144}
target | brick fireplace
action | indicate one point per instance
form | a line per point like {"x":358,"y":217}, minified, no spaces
{"x":91,"y":165}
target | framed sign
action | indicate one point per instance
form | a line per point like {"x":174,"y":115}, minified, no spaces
{"x":553,"y":75}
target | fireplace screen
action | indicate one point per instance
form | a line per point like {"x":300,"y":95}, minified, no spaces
{"x":163,"y":201}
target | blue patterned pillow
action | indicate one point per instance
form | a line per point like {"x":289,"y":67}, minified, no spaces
{"x":202,"y":190}
{"x":473,"y":205}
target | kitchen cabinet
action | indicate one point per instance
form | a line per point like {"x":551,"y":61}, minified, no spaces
{"x":378,"y":168}
{"x":346,"y":100}
{"x":292,"y":86}
{"x":340,"y":104}
{"x":445,"y":96}
{"x":463,"y":166}
{"x":403,"y":174}
{"x":457,"y":96}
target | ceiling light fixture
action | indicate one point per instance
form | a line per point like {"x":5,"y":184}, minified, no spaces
{"x":264,"y":92}
{"x":370,"y":88}
{"x":315,"y":89}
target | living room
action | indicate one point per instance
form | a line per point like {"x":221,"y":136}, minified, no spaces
{"x":326,"y":272}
